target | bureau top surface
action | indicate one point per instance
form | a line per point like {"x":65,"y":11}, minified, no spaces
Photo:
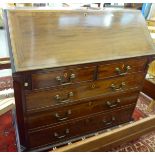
{"x":53,"y":38}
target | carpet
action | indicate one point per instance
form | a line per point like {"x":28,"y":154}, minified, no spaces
{"x":7,"y":133}
{"x":145,"y":143}
{"x":6,"y":83}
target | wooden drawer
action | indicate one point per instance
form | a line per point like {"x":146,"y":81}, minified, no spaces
{"x":44,"y":79}
{"x":80,"y":127}
{"x":65,"y":113}
{"x":68,"y":94}
{"x":121,"y":67}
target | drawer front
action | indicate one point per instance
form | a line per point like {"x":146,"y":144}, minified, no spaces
{"x":64,"y":95}
{"x":62,"y":77}
{"x":80,"y":127}
{"x":65,"y":113}
{"x":122,"y":67}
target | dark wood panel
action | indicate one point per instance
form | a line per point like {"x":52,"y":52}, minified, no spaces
{"x":19,"y":103}
{"x":62,"y":77}
{"x":54,"y":38}
{"x":73,"y":129}
{"x":65,"y":113}
{"x":121,"y":67}
{"x":64,"y":95}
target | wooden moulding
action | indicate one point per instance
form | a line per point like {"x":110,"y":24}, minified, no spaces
{"x":5,"y":63}
{"x":113,"y":138}
{"x":6,"y":105}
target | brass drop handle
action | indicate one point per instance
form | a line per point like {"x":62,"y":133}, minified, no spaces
{"x":72,"y":76}
{"x":113,"y":104}
{"x":56,"y":135}
{"x":60,"y":99}
{"x":61,"y":79}
{"x":109,"y":123}
{"x":58,"y":78}
{"x":59,"y":118}
{"x":118,"y":70}
{"x":119,"y":87}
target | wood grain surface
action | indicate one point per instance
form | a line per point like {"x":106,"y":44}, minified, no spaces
{"x":53,"y":38}
{"x":79,"y":127}
{"x":46,"y":98}
{"x":69,"y":112}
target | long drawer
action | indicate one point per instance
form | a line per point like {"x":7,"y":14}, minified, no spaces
{"x":72,"y":129}
{"x":65,"y":113}
{"x":67,"y":94}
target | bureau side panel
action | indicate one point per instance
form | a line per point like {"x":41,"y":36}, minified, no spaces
{"x":20,"y":102}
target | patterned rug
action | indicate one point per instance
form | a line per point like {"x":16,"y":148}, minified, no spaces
{"x":145,"y":143}
{"x":6,"y":83}
{"x":7,"y":133}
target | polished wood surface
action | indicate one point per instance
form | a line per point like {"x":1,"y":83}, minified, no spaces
{"x":75,"y":128}
{"x":64,"y":113}
{"x":62,"y":95}
{"x":121,"y":67}
{"x":73,"y":74}
{"x":52,"y":38}
{"x":43,"y":79}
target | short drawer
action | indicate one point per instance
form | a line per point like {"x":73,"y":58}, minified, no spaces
{"x":64,"y":113}
{"x":121,"y":67}
{"x":80,"y":127}
{"x":69,"y":94}
{"x":44,"y":79}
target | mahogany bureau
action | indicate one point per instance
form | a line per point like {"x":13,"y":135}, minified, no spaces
{"x":75,"y":72}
